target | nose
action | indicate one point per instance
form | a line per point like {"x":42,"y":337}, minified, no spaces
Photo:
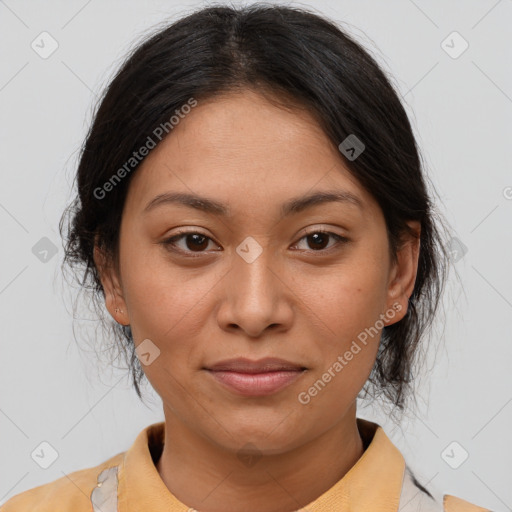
{"x":256,"y":297}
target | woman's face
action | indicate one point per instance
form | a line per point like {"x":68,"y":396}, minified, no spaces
{"x":255,"y":281}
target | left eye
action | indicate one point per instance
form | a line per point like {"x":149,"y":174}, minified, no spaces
{"x":318,"y":239}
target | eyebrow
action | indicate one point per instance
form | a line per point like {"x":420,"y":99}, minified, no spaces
{"x":294,"y":205}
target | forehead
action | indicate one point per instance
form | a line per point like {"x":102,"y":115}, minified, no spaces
{"x":243,"y":146}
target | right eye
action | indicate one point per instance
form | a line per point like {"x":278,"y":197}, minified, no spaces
{"x":193,"y":242}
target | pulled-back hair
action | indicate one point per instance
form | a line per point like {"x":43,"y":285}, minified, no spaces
{"x":293,"y":57}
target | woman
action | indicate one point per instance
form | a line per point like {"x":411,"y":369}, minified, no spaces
{"x":253,"y":212}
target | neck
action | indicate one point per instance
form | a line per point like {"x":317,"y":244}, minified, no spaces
{"x":212,"y":478}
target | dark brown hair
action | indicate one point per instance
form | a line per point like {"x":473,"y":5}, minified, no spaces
{"x":283,"y":52}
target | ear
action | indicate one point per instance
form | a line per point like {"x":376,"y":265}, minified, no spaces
{"x":114,"y":300}
{"x":403,"y":274}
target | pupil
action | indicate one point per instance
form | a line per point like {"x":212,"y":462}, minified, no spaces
{"x":196,"y":237}
{"x":317,"y":236}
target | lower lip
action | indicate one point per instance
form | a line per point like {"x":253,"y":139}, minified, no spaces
{"x":256,"y":384}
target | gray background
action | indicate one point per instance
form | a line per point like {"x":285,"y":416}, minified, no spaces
{"x":461,"y":111}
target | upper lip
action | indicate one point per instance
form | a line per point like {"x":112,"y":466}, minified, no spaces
{"x":244,"y":365}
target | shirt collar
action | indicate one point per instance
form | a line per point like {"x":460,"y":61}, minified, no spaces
{"x":373,"y":483}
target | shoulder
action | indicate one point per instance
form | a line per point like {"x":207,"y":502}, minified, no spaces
{"x":416,"y":498}
{"x":454,"y":504}
{"x":70,"y":492}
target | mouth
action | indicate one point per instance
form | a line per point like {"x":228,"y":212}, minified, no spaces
{"x":256,"y":378}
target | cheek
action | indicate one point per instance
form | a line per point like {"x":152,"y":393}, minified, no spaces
{"x":345,"y":354}
{"x":168,"y":307}
{"x":164,"y":301}
{"x":352,"y":315}
{"x":349,"y":301}
{"x":347,"y":297}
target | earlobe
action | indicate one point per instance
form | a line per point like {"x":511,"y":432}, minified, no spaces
{"x":403,"y":274}
{"x":114,"y":300}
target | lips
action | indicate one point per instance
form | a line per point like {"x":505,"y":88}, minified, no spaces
{"x":265,"y":365}
{"x":256,"y":378}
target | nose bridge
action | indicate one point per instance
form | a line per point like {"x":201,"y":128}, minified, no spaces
{"x":252,"y":270}
{"x":254,"y":296}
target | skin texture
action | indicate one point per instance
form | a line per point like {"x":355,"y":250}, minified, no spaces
{"x":301,"y":299}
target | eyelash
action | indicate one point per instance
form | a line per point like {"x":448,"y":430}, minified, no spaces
{"x":170,"y":243}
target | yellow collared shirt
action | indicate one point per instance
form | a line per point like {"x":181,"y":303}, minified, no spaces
{"x":380,"y":481}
